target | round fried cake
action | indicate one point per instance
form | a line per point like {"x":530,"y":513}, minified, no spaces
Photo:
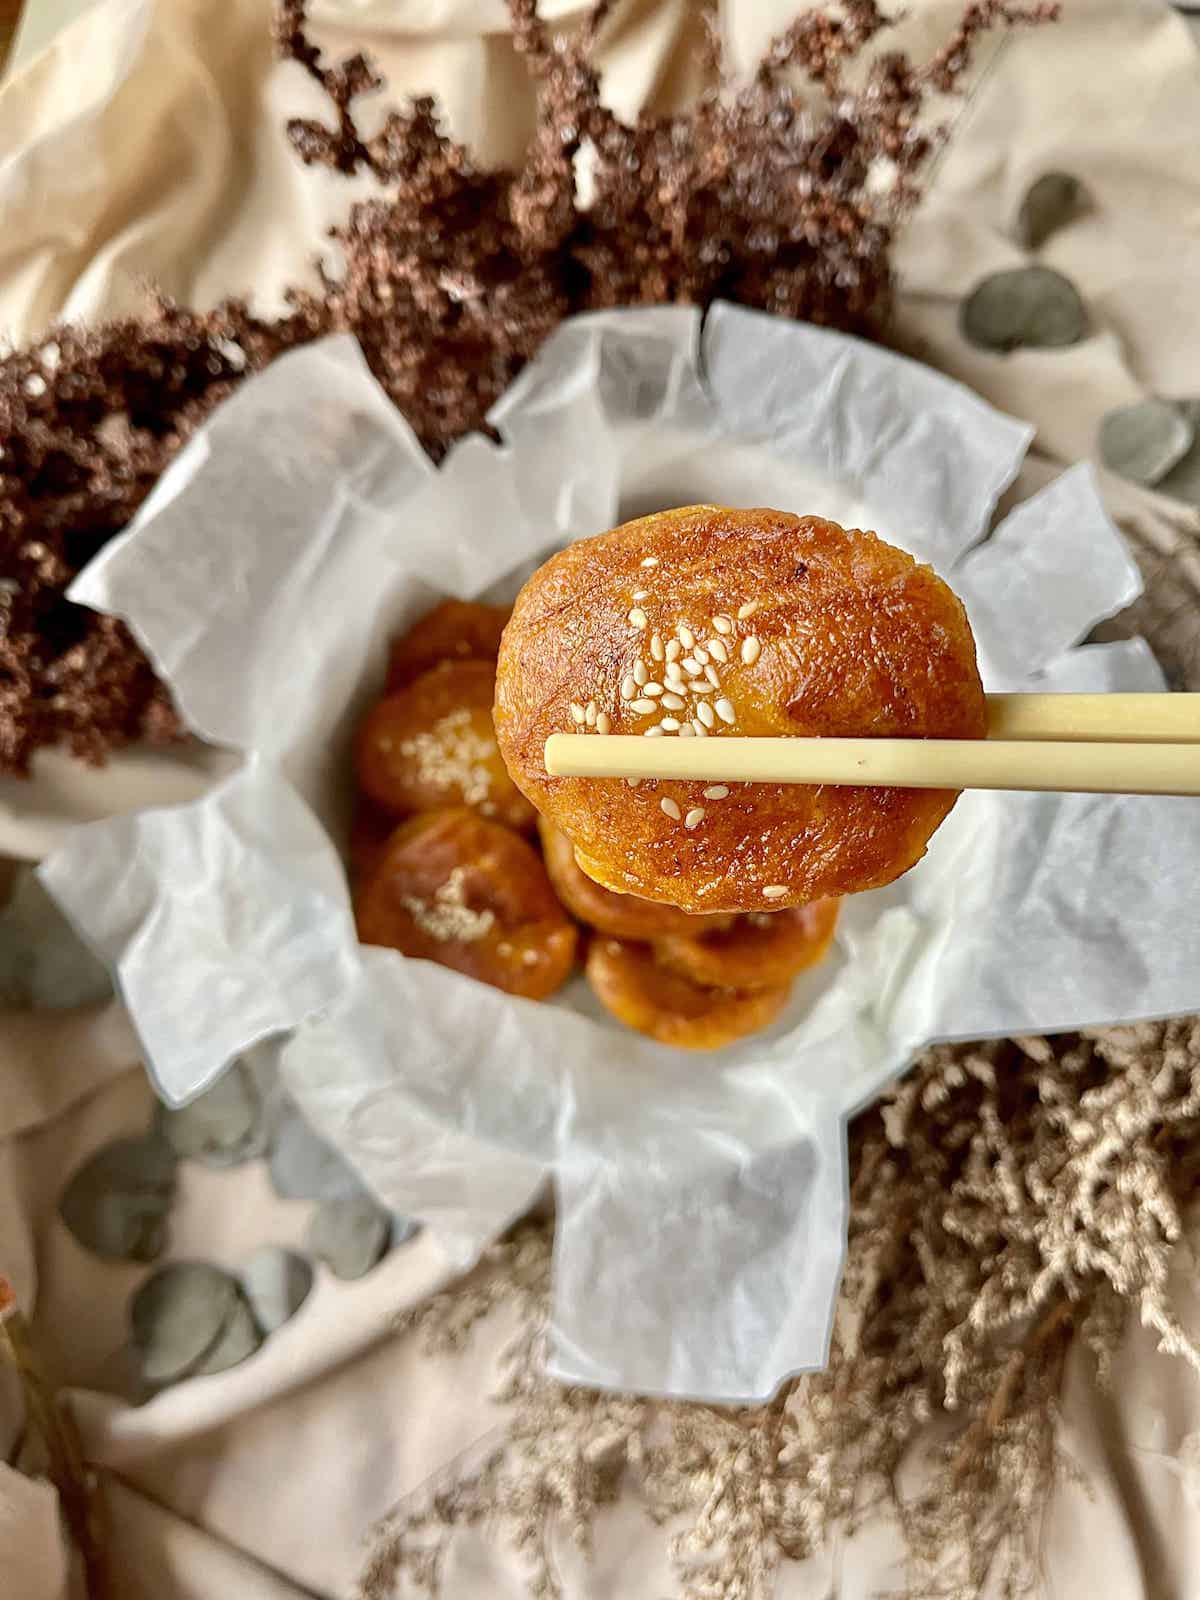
{"x":759,"y":951}
{"x":433,"y":744}
{"x":455,"y":630}
{"x":624,"y":916}
{"x":454,"y":888}
{"x":640,"y":992}
{"x":706,"y":622}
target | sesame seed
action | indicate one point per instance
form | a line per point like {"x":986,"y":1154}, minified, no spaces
{"x":705,"y":712}
{"x":718,"y":651}
{"x":686,"y":637}
{"x":530,"y":958}
{"x":700,"y":654}
{"x":774,"y":891}
{"x":577,"y":712}
{"x":633,"y":782}
{"x":629,"y":686}
{"x":590,"y":714}
{"x":722,"y":624}
{"x":716,"y":791}
{"x":711,"y":674}
{"x":674,"y":672}
{"x":642,"y":705}
{"x":671,"y":724}
{"x":694,"y":817}
{"x":650,"y":561}
{"x":698,"y":686}
{"x":725,"y":710}
{"x":637,"y":618}
{"x":640,"y":672}
{"x":654,"y":733}
{"x":750,"y":650}
{"x":670,"y":808}
{"x":641,"y":594}
{"x":690,"y":664}
{"x":674,"y":702}
{"x":747,"y":610}
{"x":699,"y":729}
{"x":447,"y":917}
{"x":686,"y":731}
{"x":656,"y":648}
{"x":652,"y":688}
{"x":674,"y":649}
{"x":452,"y":754}
{"x":603,"y":723}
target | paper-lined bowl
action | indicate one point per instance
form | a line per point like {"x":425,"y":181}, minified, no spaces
{"x":701,"y":1200}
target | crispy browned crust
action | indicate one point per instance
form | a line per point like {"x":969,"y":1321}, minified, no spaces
{"x":623,"y":916}
{"x":643,"y":994}
{"x":757,"y":952}
{"x":453,"y":888}
{"x":455,"y":630}
{"x":856,"y":638}
{"x":433,"y":744}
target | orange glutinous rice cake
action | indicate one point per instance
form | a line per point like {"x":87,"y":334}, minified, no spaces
{"x":705,"y":622}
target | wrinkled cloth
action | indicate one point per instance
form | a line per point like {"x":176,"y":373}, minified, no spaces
{"x":148,"y":142}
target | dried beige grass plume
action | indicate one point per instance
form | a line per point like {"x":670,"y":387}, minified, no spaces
{"x":1004,"y":1198}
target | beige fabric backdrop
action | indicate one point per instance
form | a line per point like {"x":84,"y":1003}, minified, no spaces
{"x":147,"y":141}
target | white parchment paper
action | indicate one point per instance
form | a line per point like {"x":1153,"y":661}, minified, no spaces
{"x":701,"y":1200}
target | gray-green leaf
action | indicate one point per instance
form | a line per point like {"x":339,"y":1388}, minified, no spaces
{"x":1183,"y":480}
{"x":221,"y":1127}
{"x":179,"y":1317}
{"x":276,"y":1283}
{"x":1049,"y":203}
{"x":349,"y":1234}
{"x":1032,"y":307}
{"x":238,"y":1339}
{"x":43,"y":961}
{"x":1145,"y":440}
{"x":116,"y":1204}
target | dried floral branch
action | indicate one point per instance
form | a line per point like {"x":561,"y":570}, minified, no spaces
{"x":761,"y":194}
{"x":1004,"y":1195}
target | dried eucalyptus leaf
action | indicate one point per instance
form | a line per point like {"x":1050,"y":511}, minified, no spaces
{"x":403,"y":1229}
{"x":221,"y":1127}
{"x":1145,"y":440}
{"x":276,"y":1283}
{"x":304,"y":1167}
{"x":1050,"y":202}
{"x":1032,"y":307}
{"x":116,"y":1204}
{"x":1183,"y":480}
{"x":349,"y":1234}
{"x":179,"y":1316}
{"x":43,"y":961}
{"x":238,"y":1339}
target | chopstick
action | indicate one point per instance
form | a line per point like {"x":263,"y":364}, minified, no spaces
{"x":1118,"y":718}
{"x":1068,"y":743}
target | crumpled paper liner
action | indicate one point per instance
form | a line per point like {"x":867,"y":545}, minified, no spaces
{"x":701,"y":1201}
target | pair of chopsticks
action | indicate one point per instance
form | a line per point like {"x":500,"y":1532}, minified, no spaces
{"x":1071,"y":743}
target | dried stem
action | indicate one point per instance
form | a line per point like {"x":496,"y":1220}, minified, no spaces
{"x":77,"y":1490}
{"x":759,"y":194}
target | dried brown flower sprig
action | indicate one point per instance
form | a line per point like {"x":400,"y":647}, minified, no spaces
{"x":1004,"y":1197}
{"x":764,"y":193}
